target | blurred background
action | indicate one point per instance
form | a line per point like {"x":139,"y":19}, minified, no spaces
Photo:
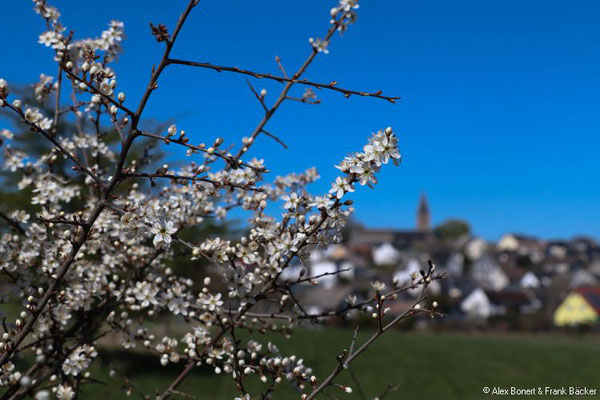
{"x":499,"y":130}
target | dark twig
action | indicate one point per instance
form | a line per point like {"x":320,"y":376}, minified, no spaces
{"x":280,"y":65}
{"x":260,"y":98}
{"x":275,"y":138}
{"x":179,"y":178}
{"x":261,"y":75}
{"x":346,"y":358}
{"x":357,"y":384}
{"x":14,"y":224}
{"x":229,"y":159}
{"x":98,"y":92}
{"x":391,"y":388}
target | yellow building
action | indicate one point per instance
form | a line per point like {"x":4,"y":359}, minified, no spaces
{"x":580,"y":307}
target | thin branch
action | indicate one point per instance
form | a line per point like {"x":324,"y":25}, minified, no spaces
{"x":95,"y":90}
{"x":229,"y":159}
{"x":14,"y":224}
{"x":315,"y":278}
{"x":258,"y":96}
{"x":352,"y":355}
{"x":280,"y":65}
{"x":261,"y":75}
{"x":344,"y":310}
{"x":306,"y":100}
{"x":357,"y":383}
{"x":62,"y":221}
{"x":192,"y":179}
{"x":58,"y":89}
{"x":190,"y":366}
{"x":302,"y":310}
{"x":388,"y":390}
{"x":275,"y":138}
{"x":282,"y":96}
{"x":74,"y":107}
{"x":152,"y":85}
{"x":56,"y":144}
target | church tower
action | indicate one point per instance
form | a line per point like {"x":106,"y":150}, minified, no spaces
{"x":423,"y":215}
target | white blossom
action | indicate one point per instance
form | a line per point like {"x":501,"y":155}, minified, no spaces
{"x":162,"y":231}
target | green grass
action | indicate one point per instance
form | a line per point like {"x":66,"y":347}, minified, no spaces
{"x":425,"y":366}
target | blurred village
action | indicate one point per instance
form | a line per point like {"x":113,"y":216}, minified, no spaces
{"x":518,"y":283}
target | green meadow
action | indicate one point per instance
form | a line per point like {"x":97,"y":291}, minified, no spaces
{"x":420,"y":365}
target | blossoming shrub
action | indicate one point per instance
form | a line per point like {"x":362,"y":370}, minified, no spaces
{"x":94,"y":259}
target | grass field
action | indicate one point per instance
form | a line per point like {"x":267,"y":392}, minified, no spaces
{"x":425,"y":366}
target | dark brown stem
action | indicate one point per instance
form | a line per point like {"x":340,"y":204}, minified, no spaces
{"x":283,"y":95}
{"x":275,"y":138}
{"x":352,"y":355}
{"x":14,"y":224}
{"x":152,"y":85}
{"x":261,"y":75}
{"x":192,"y":179}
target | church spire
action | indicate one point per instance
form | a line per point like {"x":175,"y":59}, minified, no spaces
{"x":423,"y":215}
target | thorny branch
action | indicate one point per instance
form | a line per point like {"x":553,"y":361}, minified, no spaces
{"x":284,"y":79}
{"x":347,"y":357}
{"x":14,"y":224}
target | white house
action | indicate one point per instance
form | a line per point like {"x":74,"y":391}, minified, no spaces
{"x":477,"y":305}
{"x":476,"y":248}
{"x":292,"y":272}
{"x":324,"y":267}
{"x":508,"y":242}
{"x":489,"y":274}
{"x":316,"y":255}
{"x":386,"y":254}
{"x":524,"y":245}
{"x":346,"y":270}
{"x":455,"y":264}
{"x":529,"y":281}
{"x":583,"y":278}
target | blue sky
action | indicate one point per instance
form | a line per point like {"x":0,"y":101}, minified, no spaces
{"x":499,"y":121}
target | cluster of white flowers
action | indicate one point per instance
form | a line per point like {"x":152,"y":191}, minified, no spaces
{"x":79,"y":359}
{"x":35,"y":117}
{"x":342,"y":16}
{"x":44,"y":87}
{"x":97,"y":250}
